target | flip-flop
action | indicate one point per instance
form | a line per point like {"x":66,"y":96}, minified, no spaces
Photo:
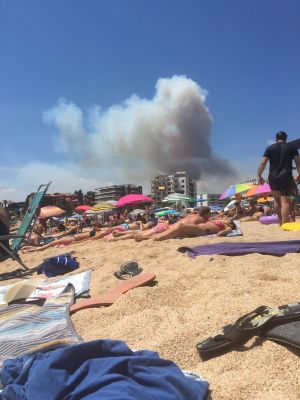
{"x":112,"y":296}
{"x":286,"y":334}
{"x":254,"y":323}
{"x":128,"y":270}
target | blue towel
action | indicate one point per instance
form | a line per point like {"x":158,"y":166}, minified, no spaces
{"x":58,"y":265}
{"x":101,"y":369}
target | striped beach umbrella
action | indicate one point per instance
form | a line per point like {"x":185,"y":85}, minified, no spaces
{"x":235,"y":189}
{"x":103,"y":206}
{"x":258,"y":190}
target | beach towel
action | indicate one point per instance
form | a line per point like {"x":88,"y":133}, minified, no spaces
{"x":80,"y":281}
{"x":26,"y":328}
{"x":279,"y":248}
{"x":58,"y":265}
{"x":100,"y":369}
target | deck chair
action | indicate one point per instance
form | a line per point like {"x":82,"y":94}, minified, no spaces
{"x":24,"y":229}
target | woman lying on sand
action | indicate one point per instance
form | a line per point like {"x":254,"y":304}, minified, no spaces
{"x":199,"y":215}
{"x":138,"y":236}
{"x":79,"y":237}
{"x":221,"y":227}
{"x":253,"y":213}
{"x":136,"y":226}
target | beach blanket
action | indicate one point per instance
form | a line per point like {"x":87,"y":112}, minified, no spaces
{"x":80,"y":281}
{"x":279,"y":248}
{"x":100,"y":369}
{"x":26,"y":328}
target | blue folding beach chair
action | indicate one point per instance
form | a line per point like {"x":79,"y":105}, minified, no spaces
{"x":24,"y":229}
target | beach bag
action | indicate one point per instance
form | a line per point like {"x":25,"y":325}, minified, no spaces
{"x":58,"y":265}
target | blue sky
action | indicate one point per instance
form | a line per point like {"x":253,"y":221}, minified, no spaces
{"x":98,"y":53}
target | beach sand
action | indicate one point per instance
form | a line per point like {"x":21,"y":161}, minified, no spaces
{"x":192,"y":300}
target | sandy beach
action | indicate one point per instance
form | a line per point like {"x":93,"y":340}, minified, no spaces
{"x":192,"y":300}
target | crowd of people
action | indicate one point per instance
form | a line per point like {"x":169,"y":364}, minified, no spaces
{"x":123,"y":225}
{"x":144,"y":226}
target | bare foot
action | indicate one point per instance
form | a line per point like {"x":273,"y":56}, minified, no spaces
{"x":139,"y":238}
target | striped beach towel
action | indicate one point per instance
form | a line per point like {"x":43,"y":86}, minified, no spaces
{"x":28,"y":328}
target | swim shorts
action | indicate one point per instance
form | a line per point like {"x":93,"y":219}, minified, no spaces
{"x":160,"y":227}
{"x":286,"y":187}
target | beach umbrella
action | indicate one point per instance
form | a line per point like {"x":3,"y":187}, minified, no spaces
{"x":137,"y":211}
{"x":166,"y":212}
{"x":83,"y":207}
{"x":265,"y":199}
{"x":235,"y":189}
{"x":76,"y":216}
{"x":217,"y":208}
{"x":103,"y":206}
{"x":51,"y":211}
{"x":230,"y":205}
{"x":174,"y":197}
{"x":133,"y":199}
{"x":258,"y":190}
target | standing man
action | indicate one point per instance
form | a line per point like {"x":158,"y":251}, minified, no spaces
{"x":281,"y":156}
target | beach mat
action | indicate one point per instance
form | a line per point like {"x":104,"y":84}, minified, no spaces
{"x":278,"y":248}
{"x":28,"y":327}
{"x":112,"y":295}
{"x":50,"y":288}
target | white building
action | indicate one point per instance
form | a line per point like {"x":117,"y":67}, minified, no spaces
{"x":209,"y":200}
{"x":180,"y":182}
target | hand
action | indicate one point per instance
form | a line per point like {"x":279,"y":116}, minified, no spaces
{"x":261,"y":180}
{"x":297,"y":179}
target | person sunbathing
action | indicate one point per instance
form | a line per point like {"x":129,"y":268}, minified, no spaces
{"x":149,"y":229}
{"x":220,"y":227}
{"x":132,"y":226}
{"x":66,"y":240}
{"x":197,"y":216}
{"x":36,"y":237}
{"x":238,"y":212}
{"x":253,"y":213}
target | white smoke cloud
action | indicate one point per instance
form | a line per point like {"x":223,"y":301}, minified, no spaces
{"x":140,"y":138}
{"x":130,"y":142}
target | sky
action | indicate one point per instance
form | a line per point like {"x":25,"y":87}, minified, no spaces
{"x":116,"y":91}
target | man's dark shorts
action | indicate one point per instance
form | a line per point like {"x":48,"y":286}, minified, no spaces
{"x":286,"y":186}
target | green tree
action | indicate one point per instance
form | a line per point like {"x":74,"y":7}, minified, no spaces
{"x":79,"y":195}
{"x":89,"y":198}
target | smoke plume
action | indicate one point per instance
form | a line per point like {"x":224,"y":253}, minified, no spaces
{"x":140,"y":138}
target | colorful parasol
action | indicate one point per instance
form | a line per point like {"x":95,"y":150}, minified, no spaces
{"x":258,"y":190}
{"x":235,"y":189}
{"x":265,"y":200}
{"x":103,"y":206}
{"x":133,"y":199}
{"x":51,"y":211}
{"x":166,"y":212}
{"x":83,"y":207}
{"x":137,"y":211}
